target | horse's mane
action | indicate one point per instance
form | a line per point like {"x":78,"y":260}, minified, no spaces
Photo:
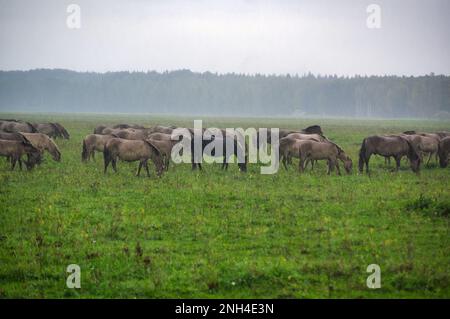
{"x":158,"y":152}
{"x":33,"y":128}
{"x":25,"y":140}
{"x":413,"y":152}
{"x":313,"y":129}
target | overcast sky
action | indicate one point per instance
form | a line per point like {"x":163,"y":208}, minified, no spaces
{"x":322,"y":37}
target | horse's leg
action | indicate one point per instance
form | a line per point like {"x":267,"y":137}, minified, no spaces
{"x":146,"y":168}
{"x":113,"y":161}
{"x":429,"y":158}
{"x":283,"y":160}
{"x":107,"y":161}
{"x":397,"y":162}
{"x":13,"y":162}
{"x":338,"y":170}
{"x":300,"y":165}
{"x":138,"y":172}
{"x":366,"y":160}
{"x":20,"y":163}
{"x":167,"y":162}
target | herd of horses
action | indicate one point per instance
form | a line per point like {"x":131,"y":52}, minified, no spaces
{"x":20,"y":138}
{"x":135,"y":143}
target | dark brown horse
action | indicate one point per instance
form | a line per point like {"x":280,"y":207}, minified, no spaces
{"x":14,"y":150}
{"x":444,"y":151}
{"x":35,"y":158}
{"x":395,"y":146}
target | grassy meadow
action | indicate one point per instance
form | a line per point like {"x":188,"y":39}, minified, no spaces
{"x":216,"y":234}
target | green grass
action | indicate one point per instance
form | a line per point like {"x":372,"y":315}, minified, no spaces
{"x":215,"y":234}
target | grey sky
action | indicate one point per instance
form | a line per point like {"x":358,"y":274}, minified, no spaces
{"x":326,"y":37}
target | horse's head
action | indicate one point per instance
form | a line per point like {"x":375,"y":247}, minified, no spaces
{"x":53,"y":150}
{"x":156,"y":157}
{"x":414,"y":157}
{"x":443,"y":158}
{"x":348,"y":164}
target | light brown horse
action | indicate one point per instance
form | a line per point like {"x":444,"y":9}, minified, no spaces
{"x":14,"y":150}
{"x":303,"y":136}
{"x":92,"y":143}
{"x":290,"y":147}
{"x":36,"y":157}
{"x":44,"y":143}
{"x":310,"y":150}
{"x":444,"y":151}
{"x":395,"y":146}
{"x":164,"y":143}
{"x":131,"y":151}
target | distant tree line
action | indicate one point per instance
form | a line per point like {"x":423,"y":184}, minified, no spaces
{"x":186,"y":92}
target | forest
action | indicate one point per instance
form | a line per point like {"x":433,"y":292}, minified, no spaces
{"x":184,"y":92}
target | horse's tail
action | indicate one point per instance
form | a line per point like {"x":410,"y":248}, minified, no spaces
{"x":84,"y":154}
{"x":362,"y":155}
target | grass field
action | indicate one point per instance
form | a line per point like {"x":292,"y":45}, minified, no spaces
{"x":215,"y":234}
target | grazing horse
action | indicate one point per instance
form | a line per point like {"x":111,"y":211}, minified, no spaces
{"x":62,"y":131}
{"x":444,"y":151}
{"x":302,"y":136}
{"x":92,"y":143}
{"x":14,"y":150}
{"x":164,"y":144}
{"x":313,"y":150}
{"x":44,"y":143}
{"x":131,"y":151}
{"x":14,"y":126}
{"x":35,"y":158}
{"x":396,"y":146}
{"x":50,"y":129}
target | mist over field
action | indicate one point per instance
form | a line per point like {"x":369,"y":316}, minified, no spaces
{"x":187,"y":93}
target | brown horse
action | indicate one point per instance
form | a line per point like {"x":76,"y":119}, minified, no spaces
{"x":395,"y":146}
{"x":44,"y":143}
{"x":14,"y":150}
{"x":444,"y":151}
{"x":92,"y":143}
{"x":303,"y":136}
{"x":62,"y":131}
{"x":35,"y":158}
{"x":312,"y":150}
{"x":164,"y":143}
{"x":131,"y":151}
